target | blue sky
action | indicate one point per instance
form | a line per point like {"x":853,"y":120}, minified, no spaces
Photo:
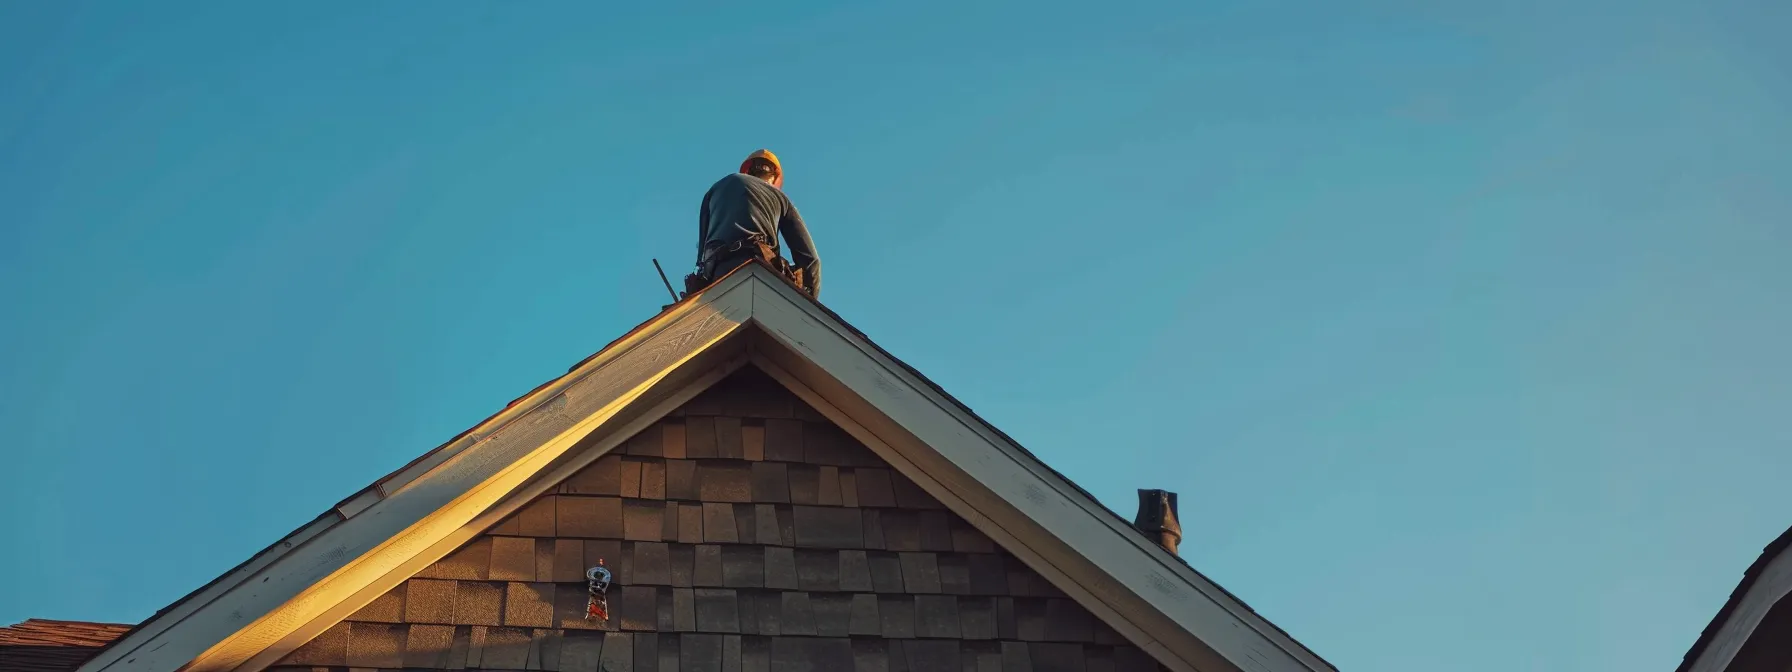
{"x":1460,"y":327}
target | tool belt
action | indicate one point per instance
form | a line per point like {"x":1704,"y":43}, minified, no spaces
{"x":755,"y":246}
{"x":758,"y":246}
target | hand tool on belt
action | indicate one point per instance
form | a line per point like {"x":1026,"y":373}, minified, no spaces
{"x":764,"y":250}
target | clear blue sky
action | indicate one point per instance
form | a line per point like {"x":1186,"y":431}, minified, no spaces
{"x":1461,"y":328}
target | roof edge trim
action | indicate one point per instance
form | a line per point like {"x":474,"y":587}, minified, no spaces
{"x":218,"y":623}
{"x":1766,"y":582}
{"x":541,"y":478}
{"x":1003,"y":536}
{"x":1087,"y":533}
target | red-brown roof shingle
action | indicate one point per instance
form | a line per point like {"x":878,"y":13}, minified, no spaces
{"x":39,"y":645}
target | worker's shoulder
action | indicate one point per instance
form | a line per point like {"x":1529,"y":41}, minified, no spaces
{"x":729,"y":181}
{"x":756,"y":185}
{"x":740,"y":184}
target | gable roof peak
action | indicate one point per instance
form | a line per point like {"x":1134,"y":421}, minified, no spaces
{"x":327,"y":570}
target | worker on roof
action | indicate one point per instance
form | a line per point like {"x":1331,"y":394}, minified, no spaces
{"x":741,"y":218}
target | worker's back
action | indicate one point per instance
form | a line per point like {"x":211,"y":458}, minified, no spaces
{"x":739,"y":206}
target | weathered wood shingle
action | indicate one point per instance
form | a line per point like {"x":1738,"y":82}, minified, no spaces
{"x":743,"y":566}
{"x":643,"y":520}
{"x":724,"y":481}
{"x":529,"y":604}
{"x":428,"y":646}
{"x":387,"y":608}
{"x":376,"y":645}
{"x":718,"y":610}
{"x":828,"y":527}
{"x":771,"y":482}
{"x":603,"y":477}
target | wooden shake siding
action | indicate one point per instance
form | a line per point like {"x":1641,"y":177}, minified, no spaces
{"x":746,"y":534}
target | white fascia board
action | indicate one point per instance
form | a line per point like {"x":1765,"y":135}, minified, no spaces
{"x":1773,"y":585}
{"x":229,"y":625}
{"x":599,"y":442}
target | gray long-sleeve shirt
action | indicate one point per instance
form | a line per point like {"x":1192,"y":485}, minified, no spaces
{"x":740,"y":205}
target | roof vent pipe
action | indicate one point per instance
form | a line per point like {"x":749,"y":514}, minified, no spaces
{"x":1157,"y":519}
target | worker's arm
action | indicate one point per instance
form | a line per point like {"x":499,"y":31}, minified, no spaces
{"x":802,"y":248}
{"x":703,"y":224}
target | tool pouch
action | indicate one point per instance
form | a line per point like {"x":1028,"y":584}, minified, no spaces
{"x":766,"y":253}
{"x":770,"y":255}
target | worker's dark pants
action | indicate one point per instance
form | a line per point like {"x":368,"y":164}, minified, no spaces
{"x":708,"y":272}
{"x":722,"y":264}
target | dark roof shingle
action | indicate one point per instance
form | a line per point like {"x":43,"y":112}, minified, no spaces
{"x":39,"y":645}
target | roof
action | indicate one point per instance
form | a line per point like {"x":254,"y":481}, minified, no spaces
{"x":39,"y":645}
{"x":43,"y":632}
{"x":328,"y":568}
{"x":1772,"y":551}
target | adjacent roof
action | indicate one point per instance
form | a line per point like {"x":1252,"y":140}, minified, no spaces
{"x":39,"y":645}
{"x":1738,"y":597}
{"x":325,"y":570}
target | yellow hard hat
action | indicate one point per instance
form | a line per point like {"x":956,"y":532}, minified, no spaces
{"x":762,"y":154}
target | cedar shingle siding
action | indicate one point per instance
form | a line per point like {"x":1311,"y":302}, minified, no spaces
{"x":746,"y":534}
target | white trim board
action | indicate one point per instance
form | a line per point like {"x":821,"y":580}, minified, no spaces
{"x":597,"y":444}
{"x":1145,"y":594}
{"x":1774,"y":584}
